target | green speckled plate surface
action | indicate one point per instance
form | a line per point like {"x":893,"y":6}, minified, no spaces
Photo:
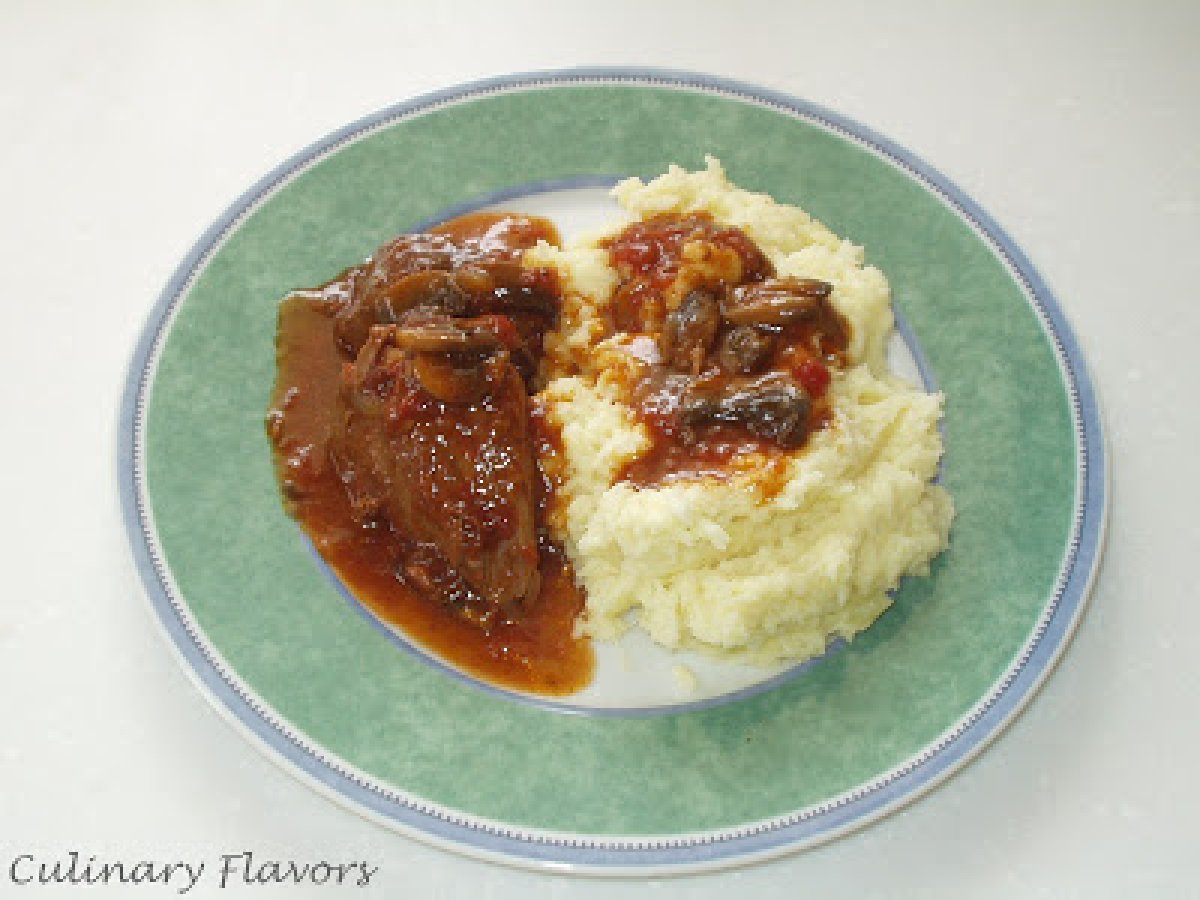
{"x":278,"y":649}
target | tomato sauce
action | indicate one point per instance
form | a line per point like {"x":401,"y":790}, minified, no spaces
{"x":534,"y":649}
{"x":660,"y":261}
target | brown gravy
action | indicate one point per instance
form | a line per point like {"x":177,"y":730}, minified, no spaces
{"x":535,"y":651}
{"x":671,"y":253}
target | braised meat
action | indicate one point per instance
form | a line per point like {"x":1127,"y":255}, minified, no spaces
{"x":446,"y":330}
{"x":405,"y":443}
{"x":436,"y":443}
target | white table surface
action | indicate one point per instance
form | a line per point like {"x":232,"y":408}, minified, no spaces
{"x":128,"y":127}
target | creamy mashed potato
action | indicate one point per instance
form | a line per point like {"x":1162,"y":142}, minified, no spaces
{"x":770,"y":561}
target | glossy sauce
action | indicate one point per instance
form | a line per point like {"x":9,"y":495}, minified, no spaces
{"x":534,"y":650}
{"x":648,"y":254}
{"x":651,"y":256}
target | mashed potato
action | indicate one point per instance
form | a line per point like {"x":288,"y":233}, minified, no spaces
{"x":769,"y":562}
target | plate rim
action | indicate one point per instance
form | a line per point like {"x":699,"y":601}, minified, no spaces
{"x":656,"y":854}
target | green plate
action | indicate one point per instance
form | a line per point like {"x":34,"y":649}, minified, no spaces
{"x":323,"y":689}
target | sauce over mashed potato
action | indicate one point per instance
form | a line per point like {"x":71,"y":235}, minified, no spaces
{"x":755,"y":538}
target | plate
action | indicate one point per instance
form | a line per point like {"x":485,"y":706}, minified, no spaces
{"x":757,"y":765}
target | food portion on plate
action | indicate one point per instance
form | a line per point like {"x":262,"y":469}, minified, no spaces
{"x":407,"y":439}
{"x":509,"y":446}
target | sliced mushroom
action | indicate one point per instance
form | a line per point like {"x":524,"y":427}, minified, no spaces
{"x":776,"y":301}
{"x":745,"y":349}
{"x":452,"y":358}
{"x":453,"y":377}
{"x":446,"y":336}
{"x":444,"y":291}
{"x":773,"y":407}
{"x":690,"y":330}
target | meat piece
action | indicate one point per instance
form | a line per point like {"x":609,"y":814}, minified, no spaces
{"x":745,"y":349}
{"x":773,"y":407}
{"x":456,"y":479}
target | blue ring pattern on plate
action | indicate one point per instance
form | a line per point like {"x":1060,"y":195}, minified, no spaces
{"x":603,"y":854}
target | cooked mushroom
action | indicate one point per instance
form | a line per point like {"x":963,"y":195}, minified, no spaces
{"x":776,"y":301}
{"x":773,"y":407}
{"x":380,"y":290}
{"x":444,"y":291}
{"x":450,"y":357}
{"x":443,"y":335}
{"x":745,"y":349}
{"x":455,"y":377}
{"x":690,"y":330}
